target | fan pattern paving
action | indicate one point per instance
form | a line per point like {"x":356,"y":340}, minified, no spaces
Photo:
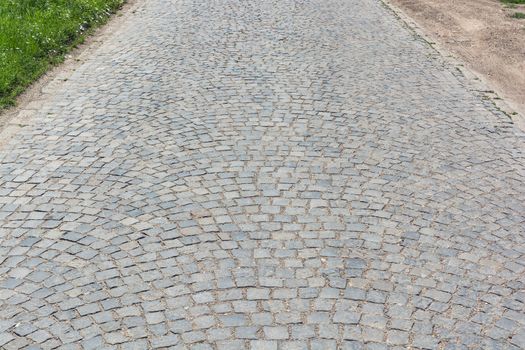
{"x":264,"y":174}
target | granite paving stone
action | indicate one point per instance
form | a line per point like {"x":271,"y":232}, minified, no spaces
{"x":261,"y":174}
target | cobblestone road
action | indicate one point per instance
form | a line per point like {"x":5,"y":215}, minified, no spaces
{"x":267,"y":175}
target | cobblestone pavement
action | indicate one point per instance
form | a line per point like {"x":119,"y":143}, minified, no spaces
{"x":269,"y":175}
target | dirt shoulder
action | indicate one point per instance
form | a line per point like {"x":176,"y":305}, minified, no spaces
{"x":481,"y":34}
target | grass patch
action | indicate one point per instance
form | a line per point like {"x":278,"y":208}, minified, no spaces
{"x":513,"y":1}
{"x":518,"y":15}
{"x":35,"y":34}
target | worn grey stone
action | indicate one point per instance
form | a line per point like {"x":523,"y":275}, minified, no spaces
{"x":263,"y":345}
{"x":262,"y":174}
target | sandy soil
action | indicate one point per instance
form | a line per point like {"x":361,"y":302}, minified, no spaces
{"x":483,"y":35}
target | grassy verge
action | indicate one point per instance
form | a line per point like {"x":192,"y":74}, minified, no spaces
{"x":35,"y":34}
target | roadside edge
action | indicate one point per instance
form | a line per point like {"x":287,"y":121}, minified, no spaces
{"x":475,"y":80}
{"x":15,"y":118}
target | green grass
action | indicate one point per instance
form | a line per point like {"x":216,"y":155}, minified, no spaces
{"x":519,"y":15}
{"x":513,"y":1}
{"x":35,"y":34}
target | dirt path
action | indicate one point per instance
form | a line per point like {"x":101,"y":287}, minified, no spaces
{"x":483,"y":35}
